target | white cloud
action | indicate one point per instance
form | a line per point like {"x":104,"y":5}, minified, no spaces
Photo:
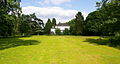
{"x":44,"y":2}
{"x":59,"y":1}
{"x":85,"y":14}
{"x":59,"y":13}
{"x":55,"y":2}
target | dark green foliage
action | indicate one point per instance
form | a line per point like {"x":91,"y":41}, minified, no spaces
{"x":48,"y":27}
{"x":72,"y":27}
{"x":66,"y":31}
{"x":105,"y":21}
{"x":24,"y":26}
{"x":37,"y":25}
{"x":79,"y":23}
{"x":94,"y":23}
{"x":76,"y":25}
{"x":7,"y":20}
{"x":58,"y":32}
{"x":6,"y":25}
{"x":115,"y":41}
{"x":53,"y":22}
{"x":12,"y":22}
{"x":30,"y":24}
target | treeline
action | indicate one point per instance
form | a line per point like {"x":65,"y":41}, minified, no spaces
{"x":105,"y":21}
{"x":50,"y":24}
{"x":13,"y":22}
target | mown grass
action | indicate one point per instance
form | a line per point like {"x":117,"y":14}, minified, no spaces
{"x":56,"y":50}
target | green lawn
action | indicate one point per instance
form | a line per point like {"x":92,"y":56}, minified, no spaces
{"x":56,"y":50}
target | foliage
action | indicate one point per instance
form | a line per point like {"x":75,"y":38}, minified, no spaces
{"x":53,"y":22}
{"x":105,"y":21}
{"x":30,"y":24}
{"x":72,"y":27}
{"x":6,"y":25}
{"x":37,"y":24}
{"x":94,"y":23}
{"x":24,"y":26}
{"x":9,"y":11}
{"x":115,"y":41}
{"x":58,"y":31}
{"x":48,"y":27}
{"x":76,"y":25}
{"x":66,"y":31}
{"x":79,"y":23}
{"x":12,"y":22}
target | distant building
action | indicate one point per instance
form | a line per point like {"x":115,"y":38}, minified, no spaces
{"x":60,"y":26}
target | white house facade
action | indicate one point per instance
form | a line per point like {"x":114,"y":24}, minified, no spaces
{"x":61,"y":26}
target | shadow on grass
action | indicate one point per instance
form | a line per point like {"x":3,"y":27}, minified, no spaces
{"x":99,"y":41}
{"x":102,"y":42}
{"x":6,"y":43}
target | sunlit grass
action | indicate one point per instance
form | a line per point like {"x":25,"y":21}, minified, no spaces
{"x":56,"y":50}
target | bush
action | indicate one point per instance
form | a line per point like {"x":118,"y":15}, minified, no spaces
{"x":58,"y":32}
{"x":115,"y":41}
{"x":66,"y":32}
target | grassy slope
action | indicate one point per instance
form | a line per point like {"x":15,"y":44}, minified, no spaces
{"x":59,"y":50}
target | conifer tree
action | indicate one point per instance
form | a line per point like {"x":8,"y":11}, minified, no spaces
{"x":48,"y":27}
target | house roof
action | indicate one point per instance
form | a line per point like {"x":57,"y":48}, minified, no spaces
{"x":62,"y":24}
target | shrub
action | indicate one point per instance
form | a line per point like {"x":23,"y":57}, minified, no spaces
{"x":115,"y":41}
{"x":58,"y":32}
{"x":66,"y":32}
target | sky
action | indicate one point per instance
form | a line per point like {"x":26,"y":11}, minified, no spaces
{"x":62,"y":10}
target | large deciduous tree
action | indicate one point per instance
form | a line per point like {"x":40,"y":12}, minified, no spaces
{"x":94,"y":23}
{"x":105,"y":21}
{"x":30,"y":24}
{"x":8,"y":9}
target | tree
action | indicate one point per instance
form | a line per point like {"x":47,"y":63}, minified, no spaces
{"x":58,"y":31}
{"x":112,"y":17}
{"x":48,"y":27}
{"x":105,"y":21}
{"x":79,"y":23}
{"x":72,"y":27}
{"x":36,"y":24}
{"x":6,"y":25}
{"x":53,"y":22}
{"x":7,"y":20}
{"x":113,"y":20}
{"x":25,"y":27}
{"x":94,"y":23}
{"x":30,"y":24}
{"x":66,"y":31}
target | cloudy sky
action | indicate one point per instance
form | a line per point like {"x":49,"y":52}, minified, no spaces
{"x":62,"y":10}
